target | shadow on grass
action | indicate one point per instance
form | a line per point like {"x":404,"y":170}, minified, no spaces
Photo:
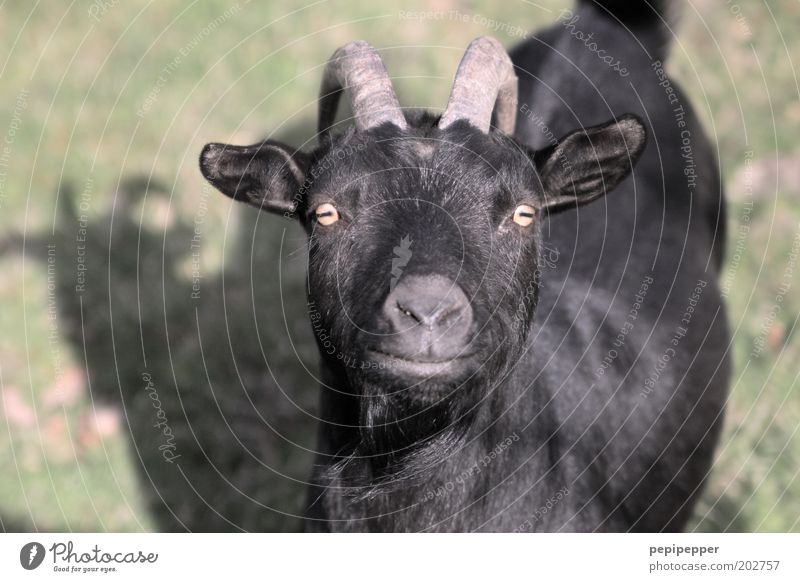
{"x":209,"y":373}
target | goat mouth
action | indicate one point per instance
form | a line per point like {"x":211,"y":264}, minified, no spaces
{"x":444,"y":368}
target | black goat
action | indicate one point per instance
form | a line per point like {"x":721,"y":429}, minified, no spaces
{"x":495,"y":357}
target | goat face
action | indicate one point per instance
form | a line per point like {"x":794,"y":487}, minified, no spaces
{"x":419,"y":280}
{"x":424,"y":244}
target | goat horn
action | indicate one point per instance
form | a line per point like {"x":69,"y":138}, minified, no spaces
{"x":485,"y":78}
{"x":358,"y":67}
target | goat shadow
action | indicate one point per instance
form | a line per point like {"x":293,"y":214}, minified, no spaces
{"x":213,"y":373}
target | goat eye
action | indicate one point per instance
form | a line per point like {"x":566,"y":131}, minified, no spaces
{"x":326,"y":214}
{"x":523,"y":215}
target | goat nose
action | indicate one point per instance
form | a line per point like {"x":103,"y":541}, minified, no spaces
{"x":427,"y":311}
{"x":430,"y":316}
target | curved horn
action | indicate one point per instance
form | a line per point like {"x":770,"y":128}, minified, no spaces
{"x":485,"y":77}
{"x":358,"y":67}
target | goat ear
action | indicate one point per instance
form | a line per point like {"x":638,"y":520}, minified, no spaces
{"x":590,"y":162}
{"x":267,"y":175}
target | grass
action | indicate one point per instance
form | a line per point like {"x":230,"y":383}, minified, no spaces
{"x":202,"y":71}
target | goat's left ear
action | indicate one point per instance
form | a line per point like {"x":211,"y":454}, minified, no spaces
{"x":590,"y":162}
{"x":267,"y":175}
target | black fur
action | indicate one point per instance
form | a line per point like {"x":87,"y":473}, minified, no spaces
{"x":545,"y":431}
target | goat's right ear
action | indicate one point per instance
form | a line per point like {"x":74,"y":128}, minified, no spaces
{"x":267,"y":175}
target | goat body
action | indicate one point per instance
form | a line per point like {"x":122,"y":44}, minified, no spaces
{"x":579,"y":378}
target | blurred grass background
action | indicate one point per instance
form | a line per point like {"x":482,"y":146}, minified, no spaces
{"x":104,"y":107}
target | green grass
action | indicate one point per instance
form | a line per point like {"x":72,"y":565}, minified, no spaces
{"x":256,"y":73}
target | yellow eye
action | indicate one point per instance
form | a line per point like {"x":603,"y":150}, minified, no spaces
{"x":523,"y":215}
{"x":326,"y":214}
